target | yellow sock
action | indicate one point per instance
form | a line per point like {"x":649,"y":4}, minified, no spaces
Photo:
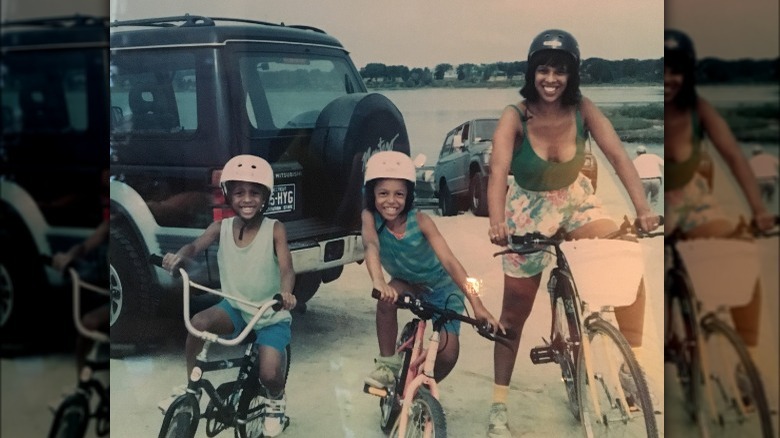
{"x":500,"y":393}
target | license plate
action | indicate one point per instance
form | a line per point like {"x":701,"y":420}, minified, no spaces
{"x":282,"y":199}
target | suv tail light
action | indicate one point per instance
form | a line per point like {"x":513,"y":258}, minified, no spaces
{"x":219,"y":208}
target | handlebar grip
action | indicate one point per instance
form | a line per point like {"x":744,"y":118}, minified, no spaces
{"x":279,"y":304}
{"x":375,"y":294}
{"x":156,"y":260}
{"x":46,"y":259}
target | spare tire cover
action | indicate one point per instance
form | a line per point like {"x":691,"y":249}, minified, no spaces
{"x":347,"y":132}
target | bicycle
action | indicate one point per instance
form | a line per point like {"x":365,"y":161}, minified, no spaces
{"x":72,"y":415}
{"x":237,"y":404}
{"x":415,"y":391}
{"x":721,"y":385}
{"x":583,"y":340}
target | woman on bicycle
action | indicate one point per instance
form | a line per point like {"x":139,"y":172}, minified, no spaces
{"x":542,"y":140}
{"x":407,"y":244}
{"x":255,"y":264}
{"x":690,"y":207}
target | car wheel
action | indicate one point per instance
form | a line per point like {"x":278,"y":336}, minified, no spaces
{"x":133,"y":297}
{"x":478,"y":195}
{"x":446,"y":201}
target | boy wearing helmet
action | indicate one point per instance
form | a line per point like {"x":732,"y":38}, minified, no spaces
{"x":407,"y":244}
{"x":650,"y":170}
{"x":254,"y":264}
{"x":542,"y":139}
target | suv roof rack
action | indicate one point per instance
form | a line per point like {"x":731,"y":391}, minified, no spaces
{"x":199,"y":20}
{"x":76,"y":20}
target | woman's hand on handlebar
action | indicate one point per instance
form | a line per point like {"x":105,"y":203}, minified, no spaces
{"x":649,"y":221}
{"x":764,"y":220}
{"x":387,"y":293}
{"x":499,"y":233}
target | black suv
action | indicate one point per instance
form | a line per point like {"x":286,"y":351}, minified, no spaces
{"x":53,"y":82}
{"x":190,"y":92}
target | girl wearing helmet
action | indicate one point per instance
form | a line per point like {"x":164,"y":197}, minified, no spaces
{"x":255,"y":264}
{"x":407,"y":244}
{"x":689,"y":205}
{"x":542,"y":140}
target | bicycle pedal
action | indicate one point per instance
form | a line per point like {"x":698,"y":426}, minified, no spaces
{"x":379,"y":392}
{"x":541,"y":355}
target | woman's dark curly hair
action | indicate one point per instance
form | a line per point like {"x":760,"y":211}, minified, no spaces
{"x":558,"y":59}
{"x":680,"y":62}
{"x":370,"y":198}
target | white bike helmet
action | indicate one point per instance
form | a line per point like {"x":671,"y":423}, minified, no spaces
{"x":390,"y":164}
{"x":248,"y":168}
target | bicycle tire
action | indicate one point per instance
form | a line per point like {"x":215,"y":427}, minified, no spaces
{"x":181,"y":418}
{"x":390,"y":405}
{"x":251,"y":403}
{"x":730,"y":421}
{"x":615,"y":420}
{"x":70,"y":420}
{"x":682,"y":345}
{"x":568,"y":327}
{"x":424,"y":411}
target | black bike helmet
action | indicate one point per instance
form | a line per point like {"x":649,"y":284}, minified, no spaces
{"x":555,"y":39}
{"x":679,"y":43}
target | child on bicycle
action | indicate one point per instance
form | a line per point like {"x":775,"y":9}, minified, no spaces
{"x":407,"y":244}
{"x":254,"y":264}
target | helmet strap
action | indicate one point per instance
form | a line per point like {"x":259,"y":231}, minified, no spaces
{"x":246,"y":222}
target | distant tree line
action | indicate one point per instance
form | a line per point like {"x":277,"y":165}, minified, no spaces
{"x":592,"y":71}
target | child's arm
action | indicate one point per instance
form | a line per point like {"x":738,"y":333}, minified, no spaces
{"x":371,"y":255}
{"x":286,"y":270}
{"x":455,"y":269}
{"x":98,"y":237}
{"x":726,"y":144}
{"x":608,"y":141}
{"x":171,"y":261}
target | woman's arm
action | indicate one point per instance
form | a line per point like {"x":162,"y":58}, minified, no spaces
{"x":286,"y":271}
{"x":373,"y":262}
{"x":724,"y":141}
{"x":187,"y":251}
{"x":454,"y":268}
{"x":608,"y":141}
{"x":500,"y":159}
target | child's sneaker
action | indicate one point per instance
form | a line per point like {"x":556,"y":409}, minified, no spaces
{"x":498,"y":424}
{"x":384,"y":373}
{"x":275,"y":421}
{"x":165,"y":403}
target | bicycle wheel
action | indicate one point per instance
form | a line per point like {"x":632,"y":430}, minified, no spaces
{"x":741,"y":407}
{"x":390,"y":405}
{"x":609,"y":351}
{"x":682,"y":347}
{"x":565,"y":337}
{"x":425,"y":418}
{"x":181,"y":418}
{"x":70,"y":420}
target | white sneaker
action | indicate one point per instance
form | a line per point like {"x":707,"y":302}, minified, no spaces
{"x":275,"y":420}
{"x":383,"y":375}
{"x":176,"y":391}
{"x":498,"y":424}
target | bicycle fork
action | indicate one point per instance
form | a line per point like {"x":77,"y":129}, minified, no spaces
{"x":426,"y":357}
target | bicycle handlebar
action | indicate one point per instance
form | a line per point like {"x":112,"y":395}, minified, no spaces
{"x":274,"y":303}
{"x":426,"y":310}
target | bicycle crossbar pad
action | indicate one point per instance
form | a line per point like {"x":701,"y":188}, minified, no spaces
{"x":541,"y":355}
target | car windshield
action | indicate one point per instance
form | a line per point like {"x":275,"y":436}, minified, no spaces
{"x":289,"y":91}
{"x":483,"y":129}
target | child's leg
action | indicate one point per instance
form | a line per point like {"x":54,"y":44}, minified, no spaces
{"x":449,"y":348}
{"x":94,"y":320}
{"x":387,"y":320}
{"x":216,"y":319}
{"x":272,"y":357}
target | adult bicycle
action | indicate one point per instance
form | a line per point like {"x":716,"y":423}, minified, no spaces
{"x":606,"y":388}
{"x":238,"y":403}
{"x":721,"y":387}
{"x":90,"y":399}
{"x":410,"y":407}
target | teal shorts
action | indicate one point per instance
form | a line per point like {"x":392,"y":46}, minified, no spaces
{"x":276,"y":335}
{"x":449,"y":297}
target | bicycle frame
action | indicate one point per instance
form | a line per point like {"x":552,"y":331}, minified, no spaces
{"x":420,"y":372}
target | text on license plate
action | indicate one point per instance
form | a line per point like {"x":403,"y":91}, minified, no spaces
{"x":282,"y":199}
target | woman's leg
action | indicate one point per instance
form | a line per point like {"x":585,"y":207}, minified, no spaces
{"x":519,"y":295}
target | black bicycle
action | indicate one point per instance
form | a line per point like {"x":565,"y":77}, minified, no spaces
{"x":72,"y":415}
{"x":605,"y":385}
{"x":239,"y":403}
{"x":721,"y":387}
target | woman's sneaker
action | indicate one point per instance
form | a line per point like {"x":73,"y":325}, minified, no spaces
{"x":383,"y":375}
{"x":275,"y":420}
{"x":498,"y":424}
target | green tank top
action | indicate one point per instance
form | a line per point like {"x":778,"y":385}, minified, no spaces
{"x":531,"y":172}
{"x":678,"y":174}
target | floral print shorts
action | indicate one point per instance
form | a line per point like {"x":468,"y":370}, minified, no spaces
{"x":528,"y":211}
{"x":690,"y":206}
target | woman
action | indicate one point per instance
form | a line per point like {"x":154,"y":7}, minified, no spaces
{"x":542,"y":140}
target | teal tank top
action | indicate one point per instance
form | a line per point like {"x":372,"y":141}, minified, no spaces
{"x":410,"y":258}
{"x":678,"y":174}
{"x":531,"y":172}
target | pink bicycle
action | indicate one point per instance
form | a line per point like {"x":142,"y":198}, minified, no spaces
{"x":415,"y":392}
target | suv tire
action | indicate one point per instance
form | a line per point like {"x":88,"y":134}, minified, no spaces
{"x":478,"y":195}
{"x":447,"y":205}
{"x":21,"y":286}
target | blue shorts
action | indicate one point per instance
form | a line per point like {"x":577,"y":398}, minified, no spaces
{"x":276,"y":335}
{"x":447,"y":297}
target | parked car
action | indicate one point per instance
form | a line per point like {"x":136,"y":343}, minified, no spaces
{"x":190,"y":92}
{"x":463,"y":168}
{"x":54,"y":83}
